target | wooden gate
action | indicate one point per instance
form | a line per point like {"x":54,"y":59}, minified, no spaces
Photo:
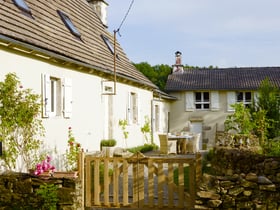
{"x":140,"y":182}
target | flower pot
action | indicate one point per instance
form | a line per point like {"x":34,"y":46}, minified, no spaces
{"x":108,"y":151}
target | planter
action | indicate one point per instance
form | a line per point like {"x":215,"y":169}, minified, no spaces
{"x":65,"y":174}
{"x":108,"y":151}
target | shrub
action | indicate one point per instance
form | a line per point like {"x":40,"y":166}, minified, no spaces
{"x":108,"y":142}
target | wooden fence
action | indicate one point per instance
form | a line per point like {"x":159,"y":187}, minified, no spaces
{"x":140,"y":182}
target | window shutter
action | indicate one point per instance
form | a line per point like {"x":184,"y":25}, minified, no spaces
{"x":189,"y":102}
{"x":230,"y":100}
{"x":128,"y":110}
{"x":67,"y":98}
{"x":138,"y":120}
{"x":256,"y":97}
{"x":215,"y":102}
{"x":46,"y":94}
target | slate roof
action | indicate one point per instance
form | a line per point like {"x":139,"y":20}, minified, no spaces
{"x":47,"y":32}
{"x":222,"y":79}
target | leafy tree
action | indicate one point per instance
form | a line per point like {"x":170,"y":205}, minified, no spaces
{"x":157,"y":74}
{"x":20,"y":124}
{"x":269,"y":100}
{"x":241,"y":120}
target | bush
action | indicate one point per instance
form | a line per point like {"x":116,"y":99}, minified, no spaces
{"x":143,"y":148}
{"x":108,"y":143}
{"x":186,"y":177}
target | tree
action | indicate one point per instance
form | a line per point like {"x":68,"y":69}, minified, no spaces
{"x":157,"y":74}
{"x":269,"y":100}
{"x":240,"y":121}
{"x":20,"y":124}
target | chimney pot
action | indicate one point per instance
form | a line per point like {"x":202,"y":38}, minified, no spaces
{"x":100,"y":8}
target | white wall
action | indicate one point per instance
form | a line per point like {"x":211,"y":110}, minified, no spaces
{"x":88,"y":113}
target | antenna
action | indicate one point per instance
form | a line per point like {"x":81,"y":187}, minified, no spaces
{"x":115,"y":53}
{"x":124,"y":18}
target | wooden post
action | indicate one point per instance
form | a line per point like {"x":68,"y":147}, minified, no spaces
{"x":81,"y":174}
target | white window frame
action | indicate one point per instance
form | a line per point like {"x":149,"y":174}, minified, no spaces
{"x":157,"y":118}
{"x":244,"y":99}
{"x":203,"y":102}
{"x":132,"y":108}
{"x":57,"y":95}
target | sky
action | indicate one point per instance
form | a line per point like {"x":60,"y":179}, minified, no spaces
{"x":222,"y":33}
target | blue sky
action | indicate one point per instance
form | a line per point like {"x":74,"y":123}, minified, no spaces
{"x":223,"y":33}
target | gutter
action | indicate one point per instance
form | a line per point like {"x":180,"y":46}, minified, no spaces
{"x":51,"y":56}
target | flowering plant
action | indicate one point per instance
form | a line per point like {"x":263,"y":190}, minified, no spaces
{"x":45,"y":166}
{"x":72,"y":153}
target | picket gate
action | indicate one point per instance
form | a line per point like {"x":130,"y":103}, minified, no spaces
{"x":139,"y":181}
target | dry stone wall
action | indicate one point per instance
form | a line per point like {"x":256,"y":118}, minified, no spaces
{"x":18,"y":191}
{"x":240,"y":179}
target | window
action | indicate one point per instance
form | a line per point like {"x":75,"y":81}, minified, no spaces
{"x":244,"y":97}
{"x":202,"y":100}
{"x":23,"y":7}
{"x":55,"y":95}
{"x":108,"y":43}
{"x":68,"y":23}
{"x":157,"y":118}
{"x":132,"y":110}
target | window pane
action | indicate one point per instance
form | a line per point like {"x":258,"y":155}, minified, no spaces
{"x":206,"y":106}
{"x":248,"y":96}
{"x":22,"y":5}
{"x":68,"y":23}
{"x":198,"y":106}
{"x":206,"y":96}
{"x":198,"y":96}
{"x":239,"y":96}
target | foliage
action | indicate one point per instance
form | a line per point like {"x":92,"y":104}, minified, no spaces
{"x":206,"y":162}
{"x":146,"y":129}
{"x":72,"y":153}
{"x":240,"y":121}
{"x":108,"y":142}
{"x":158,"y":74}
{"x":101,"y":173}
{"x":272,"y":148}
{"x":48,"y":193}
{"x":21,"y":125}
{"x":269,"y":100}
{"x":45,"y":166}
{"x":143,"y":148}
{"x":123,"y":124}
{"x":186,"y":177}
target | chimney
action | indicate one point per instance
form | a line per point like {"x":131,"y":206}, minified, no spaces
{"x":178,"y":68}
{"x":100,"y":8}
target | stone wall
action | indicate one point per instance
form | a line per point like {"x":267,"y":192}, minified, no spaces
{"x":240,"y":179}
{"x":18,"y":191}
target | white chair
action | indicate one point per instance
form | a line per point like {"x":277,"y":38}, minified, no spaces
{"x":196,"y":142}
{"x":166,"y":147}
{"x":193,"y":144}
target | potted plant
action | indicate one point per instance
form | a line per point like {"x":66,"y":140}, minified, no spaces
{"x":72,"y":156}
{"x":106,"y":146}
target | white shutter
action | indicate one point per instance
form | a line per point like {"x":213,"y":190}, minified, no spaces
{"x":138,"y":111}
{"x":230,"y":100}
{"x":215,"y":102}
{"x":256,"y":97}
{"x":67,"y":98}
{"x":128,"y":110}
{"x":189,"y":101}
{"x":46,"y":94}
